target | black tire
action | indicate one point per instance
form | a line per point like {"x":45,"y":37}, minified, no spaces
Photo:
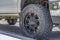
{"x":45,"y":22}
{"x":11,"y":21}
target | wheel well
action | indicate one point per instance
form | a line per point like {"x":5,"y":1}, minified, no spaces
{"x":27,"y":2}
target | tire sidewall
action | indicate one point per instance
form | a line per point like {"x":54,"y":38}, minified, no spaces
{"x":42,"y":19}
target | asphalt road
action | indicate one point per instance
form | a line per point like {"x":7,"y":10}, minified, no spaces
{"x":13,"y":31}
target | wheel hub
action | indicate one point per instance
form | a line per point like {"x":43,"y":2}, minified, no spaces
{"x":31,"y":21}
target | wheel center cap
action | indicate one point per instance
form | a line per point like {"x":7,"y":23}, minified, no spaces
{"x":32,"y":22}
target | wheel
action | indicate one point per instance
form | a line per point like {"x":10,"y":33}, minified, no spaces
{"x":35,"y":21}
{"x":11,"y":21}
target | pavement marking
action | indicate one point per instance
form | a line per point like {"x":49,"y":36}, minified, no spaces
{"x":5,"y":37}
{"x":14,"y":35}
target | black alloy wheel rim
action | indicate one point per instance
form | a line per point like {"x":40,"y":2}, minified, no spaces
{"x":31,"y":23}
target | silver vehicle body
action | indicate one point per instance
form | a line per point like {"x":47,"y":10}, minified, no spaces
{"x":53,"y":1}
{"x":9,"y":8}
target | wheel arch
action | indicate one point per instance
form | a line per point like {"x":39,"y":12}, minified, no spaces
{"x":26,"y":2}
